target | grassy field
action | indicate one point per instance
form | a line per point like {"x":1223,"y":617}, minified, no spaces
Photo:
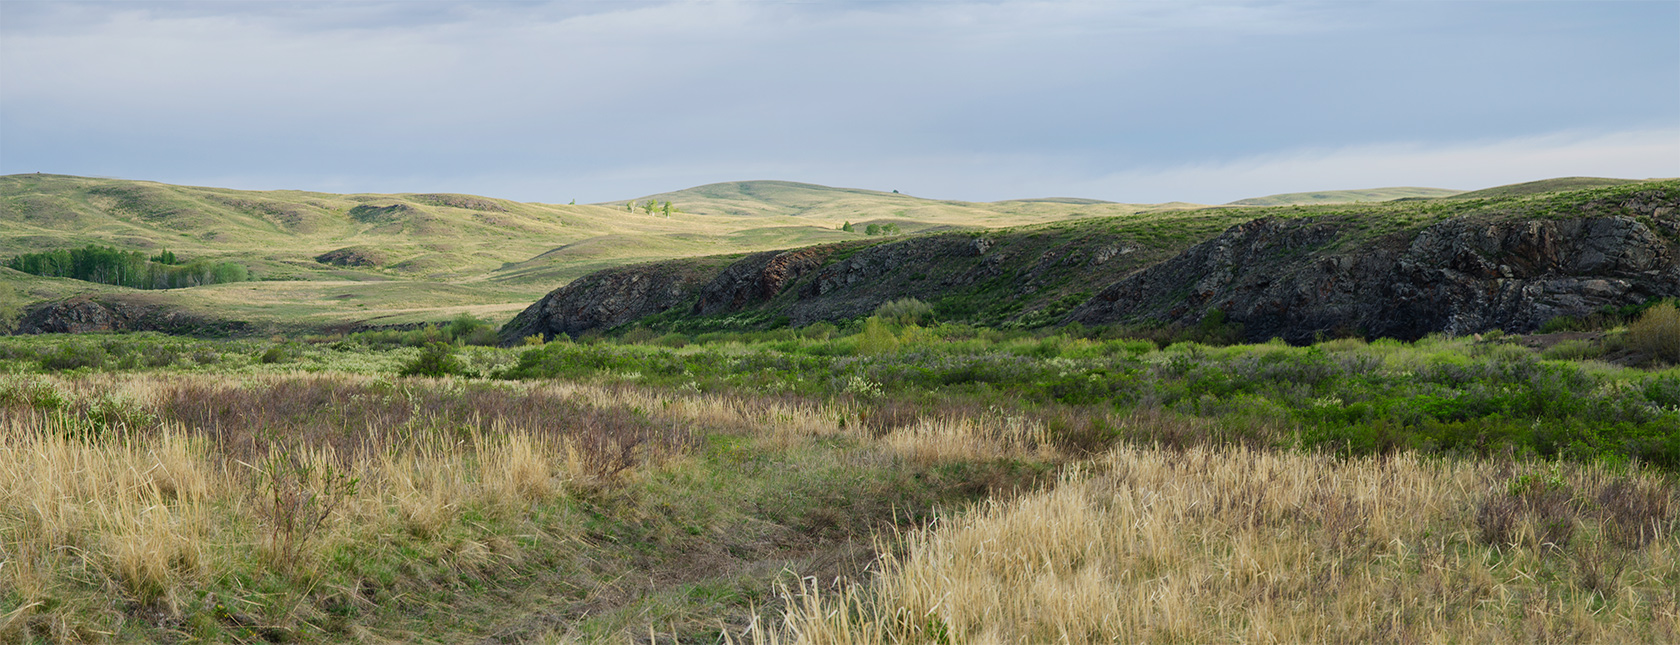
{"x":1348,"y":196}
{"x":885,"y":483}
{"x":424,"y":257}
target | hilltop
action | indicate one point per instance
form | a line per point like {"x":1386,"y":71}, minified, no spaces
{"x":1348,"y":196}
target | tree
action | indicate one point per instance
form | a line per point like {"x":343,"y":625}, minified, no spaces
{"x":889,"y":229}
{"x":873,"y":229}
{"x":667,"y":208}
{"x":847,"y":227}
{"x":648,"y":207}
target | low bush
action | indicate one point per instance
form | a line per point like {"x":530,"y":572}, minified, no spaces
{"x":435,"y":359}
{"x":1573,"y":350}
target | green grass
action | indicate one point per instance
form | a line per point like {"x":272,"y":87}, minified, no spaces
{"x":1347,"y":196}
{"x":724,"y":471}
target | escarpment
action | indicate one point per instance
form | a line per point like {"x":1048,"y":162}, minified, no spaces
{"x":1397,"y":270}
{"x":1288,"y":279}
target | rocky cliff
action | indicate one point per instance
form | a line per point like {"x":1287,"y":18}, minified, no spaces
{"x":1398,"y":270}
{"x":1297,"y":279}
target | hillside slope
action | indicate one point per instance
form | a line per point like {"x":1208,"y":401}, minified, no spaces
{"x":1347,"y":196}
{"x":329,"y":260}
{"x":1393,"y":269}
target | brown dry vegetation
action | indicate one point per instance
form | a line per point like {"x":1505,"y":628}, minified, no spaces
{"x":1231,"y":545}
{"x":341,"y":507}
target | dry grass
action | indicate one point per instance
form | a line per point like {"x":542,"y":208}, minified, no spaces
{"x":1231,"y":545}
{"x":127,"y":494}
{"x":1657,"y":332}
{"x":141,"y":490}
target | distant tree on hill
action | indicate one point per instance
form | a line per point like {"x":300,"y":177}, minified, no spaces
{"x":889,"y":229}
{"x":667,"y":209}
{"x":872,"y":229}
{"x":847,"y":227}
{"x":649,"y":206}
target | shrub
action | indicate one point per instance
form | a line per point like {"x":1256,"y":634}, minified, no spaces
{"x":638,"y":335}
{"x":282,"y":353}
{"x":72,"y":355}
{"x":876,"y":338}
{"x":817,"y":331}
{"x":1573,"y":350}
{"x":1657,"y":333}
{"x":905,"y":311}
{"x":464,"y":325}
{"x":534,"y":340}
{"x":436,"y":359}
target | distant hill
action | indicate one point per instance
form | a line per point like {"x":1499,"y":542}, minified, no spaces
{"x":857,"y":205}
{"x":1346,"y":196}
{"x":327,"y":259}
{"x":1544,"y":186}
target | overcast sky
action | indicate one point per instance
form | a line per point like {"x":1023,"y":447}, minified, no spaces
{"x":595,"y":101}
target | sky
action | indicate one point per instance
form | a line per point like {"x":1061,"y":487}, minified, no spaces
{"x":595,"y":101}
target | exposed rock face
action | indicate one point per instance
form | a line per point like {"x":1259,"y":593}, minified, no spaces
{"x":83,"y":314}
{"x":1279,"y":279}
{"x":602,"y":300}
{"x":73,"y":316}
{"x":758,"y":278}
{"x":1497,"y":266}
{"x":352,"y":256}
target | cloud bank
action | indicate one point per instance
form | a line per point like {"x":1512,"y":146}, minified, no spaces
{"x":964,"y":100}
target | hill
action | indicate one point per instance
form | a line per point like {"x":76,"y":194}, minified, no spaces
{"x":1347,"y":196}
{"x":1400,"y":269}
{"x":1544,"y":186}
{"x":331,"y":260}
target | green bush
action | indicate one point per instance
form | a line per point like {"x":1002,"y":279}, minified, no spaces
{"x":436,"y":359}
{"x":281,"y":353}
{"x":74,"y":354}
{"x":876,"y":338}
{"x":905,"y":311}
{"x":817,"y":331}
{"x":1573,"y":350}
{"x":464,"y":326}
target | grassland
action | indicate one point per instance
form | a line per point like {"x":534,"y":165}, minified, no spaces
{"x":1348,"y":196}
{"x":425,"y":257}
{"x":888,"y":483}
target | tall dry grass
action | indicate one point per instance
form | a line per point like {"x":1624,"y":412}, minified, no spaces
{"x":120,"y":492}
{"x":1232,"y":545}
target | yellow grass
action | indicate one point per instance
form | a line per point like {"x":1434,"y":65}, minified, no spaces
{"x":1238,"y":546}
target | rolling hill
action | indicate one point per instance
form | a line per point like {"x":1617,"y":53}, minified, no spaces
{"x":330,"y":260}
{"x":1347,"y":196}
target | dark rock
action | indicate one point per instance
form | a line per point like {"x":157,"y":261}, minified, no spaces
{"x":603,"y":300}
{"x":85,"y":314}
{"x":758,"y":278}
{"x":1280,"y":278}
{"x":352,"y":256}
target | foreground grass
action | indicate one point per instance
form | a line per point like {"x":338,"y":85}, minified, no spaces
{"x":1231,"y":545}
{"x":964,"y":486}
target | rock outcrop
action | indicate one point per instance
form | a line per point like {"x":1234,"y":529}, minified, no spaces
{"x":1289,"y":279}
{"x":603,"y":300}
{"x":1497,"y":263}
{"x":84,"y":314}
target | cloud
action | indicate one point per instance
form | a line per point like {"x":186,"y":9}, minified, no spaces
{"x":973,"y":100}
{"x":1639,"y":154}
